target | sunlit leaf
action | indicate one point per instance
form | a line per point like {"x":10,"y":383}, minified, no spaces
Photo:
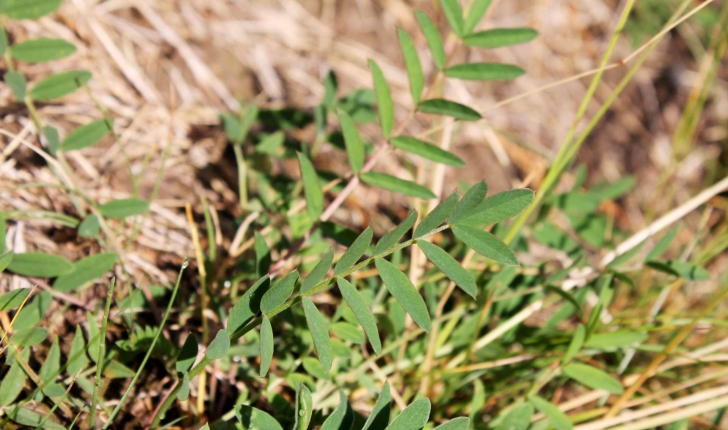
{"x":278,"y":293}
{"x":318,"y":273}
{"x":400,"y":286}
{"x":248,"y":305}
{"x":254,"y":419}
{"x":319,"y":332}
{"x":470,"y":201}
{"x":266,"y":345}
{"x":59,"y":85}
{"x":39,"y":265}
{"x":413,"y":417}
{"x":363,"y":314}
{"x":343,"y":416}
{"x":355,"y":251}
{"x":86,"y":270}
{"x":434,"y":40}
{"x":122,"y":208}
{"x":384,"y":99}
{"x":426,"y":150}
{"x":485,"y":244}
{"x":379,"y":418}
{"x":498,"y":37}
{"x":389,"y":182}
{"x":518,"y":418}
{"x":412,"y":64}
{"x":312,"y":188}
{"x":484,"y":71}
{"x":392,"y":238}
{"x":87,"y":135}
{"x":449,"y":267}
{"x":448,"y":108}
{"x":42,"y":49}
{"x":593,"y":377}
{"x":476,"y":13}
{"x":498,"y":207}
{"x":461,"y":423}
{"x":219,"y":345}
{"x":436,"y":216}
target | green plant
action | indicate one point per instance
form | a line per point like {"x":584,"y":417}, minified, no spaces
{"x":452,"y":333}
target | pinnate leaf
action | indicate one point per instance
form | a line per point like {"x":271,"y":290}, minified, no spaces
{"x":449,"y":267}
{"x":389,"y":182}
{"x":384,"y":99}
{"x":406,"y":294}
{"x":498,"y":37}
{"x":42,"y":49}
{"x":123,"y":208}
{"x":448,"y":108}
{"x":355,"y":251}
{"x":484,"y":71}
{"x":434,"y":40}
{"x":575,"y":345}
{"x":593,"y":377}
{"x":86,"y":270}
{"x":412,"y":64}
{"x":87,"y":135}
{"x":362,"y":312}
{"x":426,"y":150}
{"x":59,"y":85}
{"x":319,"y":332}
{"x":485,"y":244}
{"x":40,"y":265}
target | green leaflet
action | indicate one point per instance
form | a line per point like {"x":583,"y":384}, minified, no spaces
{"x":518,"y":418}
{"x":278,"y":293}
{"x":478,"y":400}
{"x":677,"y":268}
{"x":13,"y":299}
{"x":266,"y":345}
{"x":219,"y":345}
{"x":89,"y":227}
{"x":122,"y":208}
{"x":12,"y":382}
{"x":615,"y":340}
{"x":53,"y":139}
{"x":87,"y":135}
{"x":412,"y":64}
{"x":437,"y":216}
{"x":86,"y":270}
{"x":248,"y":305}
{"x":59,"y":85}
{"x":343,"y":416}
{"x":42,"y":49}
{"x":426,"y":150}
{"x":3,"y":41}
{"x":392,"y":238}
{"x":434,"y":41}
{"x":17,"y":83}
{"x":254,"y":419}
{"x":389,"y":182}
{"x":355,"y":251}
{"x":29,"y":336}
{"x":362,"y":312}
{"x":484,"y":71}
{"x":346,"y":331}
{"x":379,"y":417}
{"x":663,"y":244}
{"x":319,"y":332}
{"x":352,"y":140}
{"x":406,"y":294}
{"x":461,"y":423}
{"x":33,"y":311}
{"x":485,"y":244}
{"x":31,"y":418}
{"x":39,"y":265}
{"x":384,"y":99}
{"x":470,"y":201}
{"x":498,"y":207}
{"x":331,"y":88}
{"x":498,"y":37}
{"x":304,"y":408}
{"x":557,"y":418}
{"x":312,"y":187}
{"x":448,"y":108}
{"x":593,"y":377}
{"x":49,"y":370}
{"x":30,"y":9}
{"x":187,"y":355}
{"x":477,"y":11}
{"x":449,"y":267}
{"x":5,"y":260}
{"x":262,"y":255}
{"x":454,"y":14}
{"x":575,"y":345}
{"x":184,"y":392}
{"x":319,"y":272}
{"x":413,"y":417}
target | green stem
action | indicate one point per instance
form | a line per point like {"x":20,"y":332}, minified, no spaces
{"x":150,"y":349}
{"x":242,"y":177}
{"x":102,"y":351}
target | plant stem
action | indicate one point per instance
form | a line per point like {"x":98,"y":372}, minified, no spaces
{"x":102,"y":352}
